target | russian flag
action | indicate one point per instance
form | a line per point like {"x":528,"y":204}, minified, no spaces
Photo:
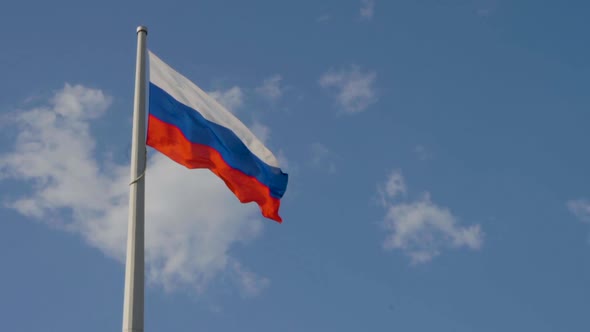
{"x":193,"y":129}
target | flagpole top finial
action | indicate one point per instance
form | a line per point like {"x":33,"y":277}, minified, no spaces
{"x":142,"y":28}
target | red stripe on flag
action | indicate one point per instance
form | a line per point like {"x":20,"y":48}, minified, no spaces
{"x":170,"y":141}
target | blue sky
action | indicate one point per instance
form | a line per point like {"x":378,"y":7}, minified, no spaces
{"x":436,"y":153}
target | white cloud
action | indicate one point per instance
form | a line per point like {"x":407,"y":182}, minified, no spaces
{"x":192,"y":219}
{"x":367,"y":9}
{"x":485,"y":7}
{"x":394,"y":186}
{"x":261,"y":131}
{"x":322,"y":157}
{"x":232,"y":98}
{"x":422,"y":152}
{"x":355,"y":91}
{"x":284,"y":162}
{"x":271,"y":88}
{"x":422,"y":229}
{"x":580,"y":208}
{"x":324,"y":18}
{"x":251,"y":284}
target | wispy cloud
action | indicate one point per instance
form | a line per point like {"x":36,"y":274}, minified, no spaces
{"x":394,"y":187}
{"x":324,"y":18}
{"x":271,"y":88}
{"x":422,"y":152}
{"x":322,"y":157}
{"x":261,"y":131}
{"x":285,"y":164}
{"x":422,"y":229}
{"x":367,"y":9}
{"x":232,"y":98}
{"x":485,"y":8}
{"x":580,"y":208}
{"x":192,"y":219}
{"x":355,"y":91}
{"x":250,"y":283}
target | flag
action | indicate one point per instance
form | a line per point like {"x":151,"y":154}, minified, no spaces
{"x":191,"y":128}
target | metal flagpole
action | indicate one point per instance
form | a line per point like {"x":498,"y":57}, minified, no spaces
{"x":134,"y":268}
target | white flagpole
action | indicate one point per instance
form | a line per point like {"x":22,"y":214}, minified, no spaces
{"x":134,"y":268}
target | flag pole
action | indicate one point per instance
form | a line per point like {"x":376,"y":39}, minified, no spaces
{"x":134,"y":268}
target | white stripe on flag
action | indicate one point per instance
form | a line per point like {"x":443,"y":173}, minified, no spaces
{"x":188,"y":93}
